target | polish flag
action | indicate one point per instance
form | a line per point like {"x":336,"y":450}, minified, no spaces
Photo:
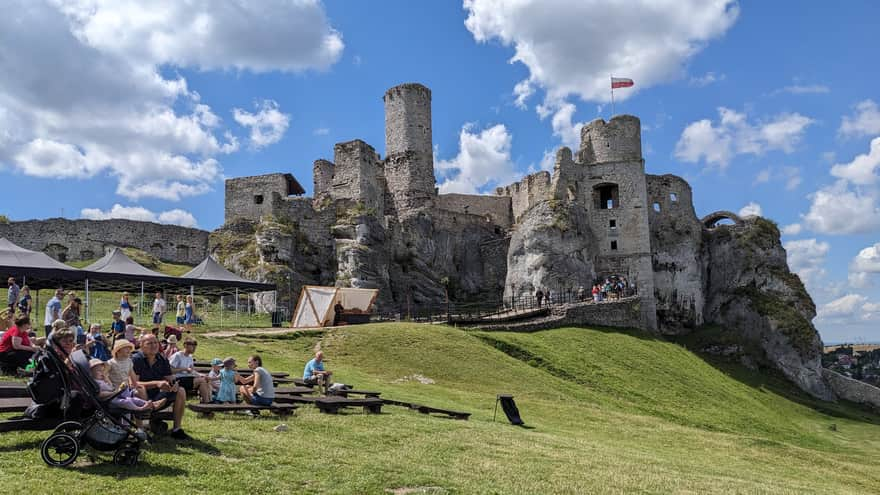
{"x":620,"y":82}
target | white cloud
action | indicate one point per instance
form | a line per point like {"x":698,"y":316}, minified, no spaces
{"x":750,"y":210}
{"x":803,"y":89}
{"x":734,"y":135}
{"x":806,"y":258}
{"x":791,"y":176}
{"x":763,"y":176}
{"x":844,"y":308}
{"x":273,"y":35}
{"x":321,"y":131}
{"x":174,"y":217}
{"x":483,"y":160}
{"x":862,"y":169}
{"x":108,"y":100}
{"x":865,"y":265}
{"x":865,"y":122}
{"x":571,"y":46}
{"x":792,"y":229}
{"x":267,"y":125}
{"x":837,"y":209}
{"x":706,"y":79}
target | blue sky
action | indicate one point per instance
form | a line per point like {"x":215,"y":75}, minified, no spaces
{"x":111,"y":109}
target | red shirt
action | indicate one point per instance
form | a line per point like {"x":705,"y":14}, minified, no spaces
{"x":6,"y":341}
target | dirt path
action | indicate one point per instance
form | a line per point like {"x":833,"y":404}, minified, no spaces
{"x":257,"y":331}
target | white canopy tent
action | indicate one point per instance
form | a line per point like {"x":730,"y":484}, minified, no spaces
{"x":315,"y":305}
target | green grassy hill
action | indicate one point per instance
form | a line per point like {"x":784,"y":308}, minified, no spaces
{"x":608,"y":412}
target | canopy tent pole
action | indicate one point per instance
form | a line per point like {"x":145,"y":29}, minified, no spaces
{"x":236,"y":307}
{"x":88,"y":303}
{"x":274,"y":306}
{"x":221,"y":310}
{"x":141,"y":307}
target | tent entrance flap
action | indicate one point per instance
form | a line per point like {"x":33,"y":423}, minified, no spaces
{"x":315,"y":307}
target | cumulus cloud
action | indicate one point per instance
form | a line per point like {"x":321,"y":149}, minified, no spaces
{"x":571,"y":46}
{"x":790,"y":176}
{"x":274,"y":35}
{"x":108,"y":100}
{"x":843,"y":308}
{"x":865,"y":265}
{"x":862,"y":170}
{"x":792,"y":229}
{"x":267,"y":125}
{"x":483,"y":160}
{"x":174,"y":217}
{"x":717,"y":143}
{"x":750,"y":210}
{"x":806,"y":258}
{"x":804,"y":89}
{"x":864,"y":122}
{"x":839,"y":209}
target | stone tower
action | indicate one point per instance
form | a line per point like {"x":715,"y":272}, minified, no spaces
{"x":409,"y":161}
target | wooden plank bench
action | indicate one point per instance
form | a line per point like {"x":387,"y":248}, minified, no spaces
{"x":14,"y":404}
{"x":13,"y":390}
{"x":346,"y":393}
{"x":428,"y":409}
{"x":294,"y":390}
{"x":295,"y":399}
{"x":242,"y":372}
{"x":208,"y":410}
{"x":332,"y":405}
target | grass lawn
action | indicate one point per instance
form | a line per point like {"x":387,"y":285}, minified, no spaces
{"x":608,"y":412}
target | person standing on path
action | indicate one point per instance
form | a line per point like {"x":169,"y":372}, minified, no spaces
{"x":53,"y":311}
{"x":159,"y":309}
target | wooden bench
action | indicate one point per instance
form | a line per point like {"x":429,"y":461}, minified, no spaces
{"x":294,"y":390}
{"x":242,"y":372}
{"x":346,"y":393}
{"x":13,"y":390}
{"x":428,"y":409}
{"x":332,"y":405}
{"x":295,"y":399}
{"x":208,"y":410}
{"x":14,"y":404}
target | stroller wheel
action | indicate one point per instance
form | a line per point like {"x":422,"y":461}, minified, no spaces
{"x":59,"y":450}
{"x":126,"y":456}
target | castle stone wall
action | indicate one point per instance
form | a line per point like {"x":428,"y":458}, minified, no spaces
{"x":409,"y":163}
{"x":496,"y":209}
{"x":77,"y":240}
{"x":619,"y":139}
{"x":356,"y":173}
{"x":524,"y":194}
{"x":251,"y":197}
{"x":322,"y":172}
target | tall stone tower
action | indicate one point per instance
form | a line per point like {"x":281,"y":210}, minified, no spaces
{"x":409,"y":161}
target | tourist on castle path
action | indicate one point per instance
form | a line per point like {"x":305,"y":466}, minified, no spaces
{"x":12,"y":294}
{"x":539,"y":295}
{"x":158,"y":309}
{"x":582,"y":293}
{"x":53,"y":311}
{"x":24,"y":304}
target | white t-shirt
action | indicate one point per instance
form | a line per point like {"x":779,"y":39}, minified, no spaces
{"x":180,"y":360}
{"x":159,"y":305}
{"x":119,"y":371}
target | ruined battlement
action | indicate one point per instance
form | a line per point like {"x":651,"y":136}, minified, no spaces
{"x":618,"y":140}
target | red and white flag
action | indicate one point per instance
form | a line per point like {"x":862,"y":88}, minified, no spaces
{"x":621,"y":82}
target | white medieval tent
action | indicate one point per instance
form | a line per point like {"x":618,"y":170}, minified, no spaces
{"x":315,"y":305}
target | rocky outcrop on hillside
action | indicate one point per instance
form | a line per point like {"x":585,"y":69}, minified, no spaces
{"x":750,"y":290}
{"x":551,"y":246}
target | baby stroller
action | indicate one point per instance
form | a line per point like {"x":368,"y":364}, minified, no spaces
{"x":104,"y":428}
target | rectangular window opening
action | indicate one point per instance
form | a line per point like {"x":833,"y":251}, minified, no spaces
{"x":258,"y":199}
{"x":614,"y":245}
{"x":612,"y":224}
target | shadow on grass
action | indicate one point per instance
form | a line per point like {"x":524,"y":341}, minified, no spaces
{"x":105,"y":467}
{"x":31,"y":444}
{"x":169,"y":445}
{"x":771,"y":380}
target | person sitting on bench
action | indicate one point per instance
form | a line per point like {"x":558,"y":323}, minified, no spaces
{"x":262,"y":392}
{"x":314,"y":372}
{"x":338,"y":309}
{"x":15,"y":346}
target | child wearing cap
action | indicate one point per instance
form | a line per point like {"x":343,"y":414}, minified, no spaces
{"x":228,"y":379}
{"x":121,"y":369}
{"x":125,"y":399}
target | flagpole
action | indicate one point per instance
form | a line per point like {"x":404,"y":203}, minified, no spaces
{"x":612,"y":95}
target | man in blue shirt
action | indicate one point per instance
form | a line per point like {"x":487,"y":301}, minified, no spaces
{"x":314,"y":372}
{"x":154,"y":374}
{"x":53,"y":311}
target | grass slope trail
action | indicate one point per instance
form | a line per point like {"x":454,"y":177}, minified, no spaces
{"x":611,"y":412}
